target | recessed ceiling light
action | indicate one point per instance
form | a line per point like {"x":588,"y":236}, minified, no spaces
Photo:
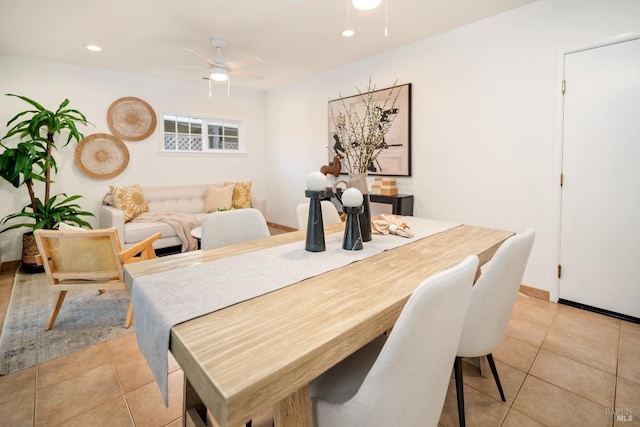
{"x":94,"y":48}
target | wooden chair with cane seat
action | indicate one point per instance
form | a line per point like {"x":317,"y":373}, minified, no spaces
{"x":87,"y":259}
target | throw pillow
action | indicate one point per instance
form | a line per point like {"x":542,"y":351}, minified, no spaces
{"x":130,"y":199}
{"x":218,"y":198}
{"x":241,"y":194}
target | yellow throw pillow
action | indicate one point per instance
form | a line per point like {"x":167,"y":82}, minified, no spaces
{"x":218,"y":198}
{"x":130,"y":200}
{"x":241,"y":194}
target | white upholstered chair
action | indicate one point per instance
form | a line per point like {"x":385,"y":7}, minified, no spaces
{"x":401,"y":380}
{"x":492,"y":300}
{"x":330,"y":214}
{"x":233,"y":226}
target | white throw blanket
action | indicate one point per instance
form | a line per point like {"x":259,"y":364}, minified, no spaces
{"x":163,"y":300}
{"x":181,"y":222}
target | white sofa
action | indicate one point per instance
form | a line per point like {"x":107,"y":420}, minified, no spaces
{"x":187,"y":198}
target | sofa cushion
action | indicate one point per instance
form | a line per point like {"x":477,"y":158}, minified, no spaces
{"x":180,"y":198}
{"x":218,"y":198}
{"x":130,"y":200}
{"x":241,"y":194}
{"x":64,"y":226}
{"x":136,"y":231}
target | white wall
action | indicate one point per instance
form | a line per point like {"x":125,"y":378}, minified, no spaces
{"x":92,"y":90}
{"x":484,"y":119}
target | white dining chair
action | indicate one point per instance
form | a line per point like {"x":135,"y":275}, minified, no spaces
{"x":402,"y":379}
{"x":492,"y":300}
{"x":233,"y":226}
{"x":330,"y":214}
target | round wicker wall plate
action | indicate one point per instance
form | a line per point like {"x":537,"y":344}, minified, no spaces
{"x":101,"y":156}
{"x":131,"y":119}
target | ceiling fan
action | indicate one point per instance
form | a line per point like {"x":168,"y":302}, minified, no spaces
{"x":220,"y":68}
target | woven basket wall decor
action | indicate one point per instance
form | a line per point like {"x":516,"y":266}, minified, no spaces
{"x":131,"y":119}
{"x":101,"y":156}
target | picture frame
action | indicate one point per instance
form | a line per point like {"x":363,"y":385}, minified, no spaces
{"x":395,"y":158}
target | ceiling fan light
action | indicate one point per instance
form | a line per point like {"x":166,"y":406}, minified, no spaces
{"x":218,"y":74}
{"x":348,"y":33}
{"x":366,"y":4}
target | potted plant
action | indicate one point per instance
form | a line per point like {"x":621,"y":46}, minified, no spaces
{"x":31,"y":162}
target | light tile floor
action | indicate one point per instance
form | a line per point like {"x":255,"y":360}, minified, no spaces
{"x":559,"y":366}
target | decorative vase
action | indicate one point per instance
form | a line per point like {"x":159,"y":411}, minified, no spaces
{"x":359,"y":181}
{"x":30,"y":254}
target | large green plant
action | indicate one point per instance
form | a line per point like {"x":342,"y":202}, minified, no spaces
{"x":32,"y":160}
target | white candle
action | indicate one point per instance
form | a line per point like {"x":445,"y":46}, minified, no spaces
{"x":316,"y":181}
{"x":352,"y":197}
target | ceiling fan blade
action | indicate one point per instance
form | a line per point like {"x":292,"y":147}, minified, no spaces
{"x":239,"y":63}
{"x":199,"y":55}
{"x":243,"y":73}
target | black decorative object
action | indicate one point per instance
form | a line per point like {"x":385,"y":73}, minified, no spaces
{"x":365,"y":219}
{"x":352,"y":240}
{"x":352,"y":205}
{"x":316,"y":191}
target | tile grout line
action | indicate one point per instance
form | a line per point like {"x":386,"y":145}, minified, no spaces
{"x":528,"y":372}
{"x":121,"y":386}
{"x":35,"y":393}
{"x":615,"y":386}
{"x":560,"y":355}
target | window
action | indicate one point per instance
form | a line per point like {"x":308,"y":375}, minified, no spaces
{"x":199,"y":135}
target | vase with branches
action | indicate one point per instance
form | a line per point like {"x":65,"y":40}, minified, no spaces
{"x":360,"y":130}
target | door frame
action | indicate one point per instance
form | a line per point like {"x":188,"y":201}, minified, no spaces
{"x":557,"y":146}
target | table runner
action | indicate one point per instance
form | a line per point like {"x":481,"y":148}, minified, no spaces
{"x":163,"y":300}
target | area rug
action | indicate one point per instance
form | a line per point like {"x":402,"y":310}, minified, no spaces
{"x":86,"y":318}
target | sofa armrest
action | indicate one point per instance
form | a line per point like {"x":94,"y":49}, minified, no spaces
{"x":108,"y":217}
{"x":259,"y":203}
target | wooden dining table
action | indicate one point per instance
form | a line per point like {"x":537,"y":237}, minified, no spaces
{"x":263,"y":352}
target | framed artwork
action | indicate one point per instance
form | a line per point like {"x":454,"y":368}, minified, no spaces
{"x":395,"y":157}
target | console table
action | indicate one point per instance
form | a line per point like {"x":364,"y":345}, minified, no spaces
{"x":401,"y":204}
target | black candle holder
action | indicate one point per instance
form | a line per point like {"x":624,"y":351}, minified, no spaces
{"x":352,"y":240}
{"x":315,"y":226}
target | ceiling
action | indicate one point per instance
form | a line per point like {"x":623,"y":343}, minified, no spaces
{"x":294,"y":38}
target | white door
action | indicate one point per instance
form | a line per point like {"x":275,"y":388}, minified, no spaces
{"x":600,"y":225}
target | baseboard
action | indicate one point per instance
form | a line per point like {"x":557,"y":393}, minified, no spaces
{"x":600,"y":311}
{"x":535,"y":292}
{"x":281,"y":227}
